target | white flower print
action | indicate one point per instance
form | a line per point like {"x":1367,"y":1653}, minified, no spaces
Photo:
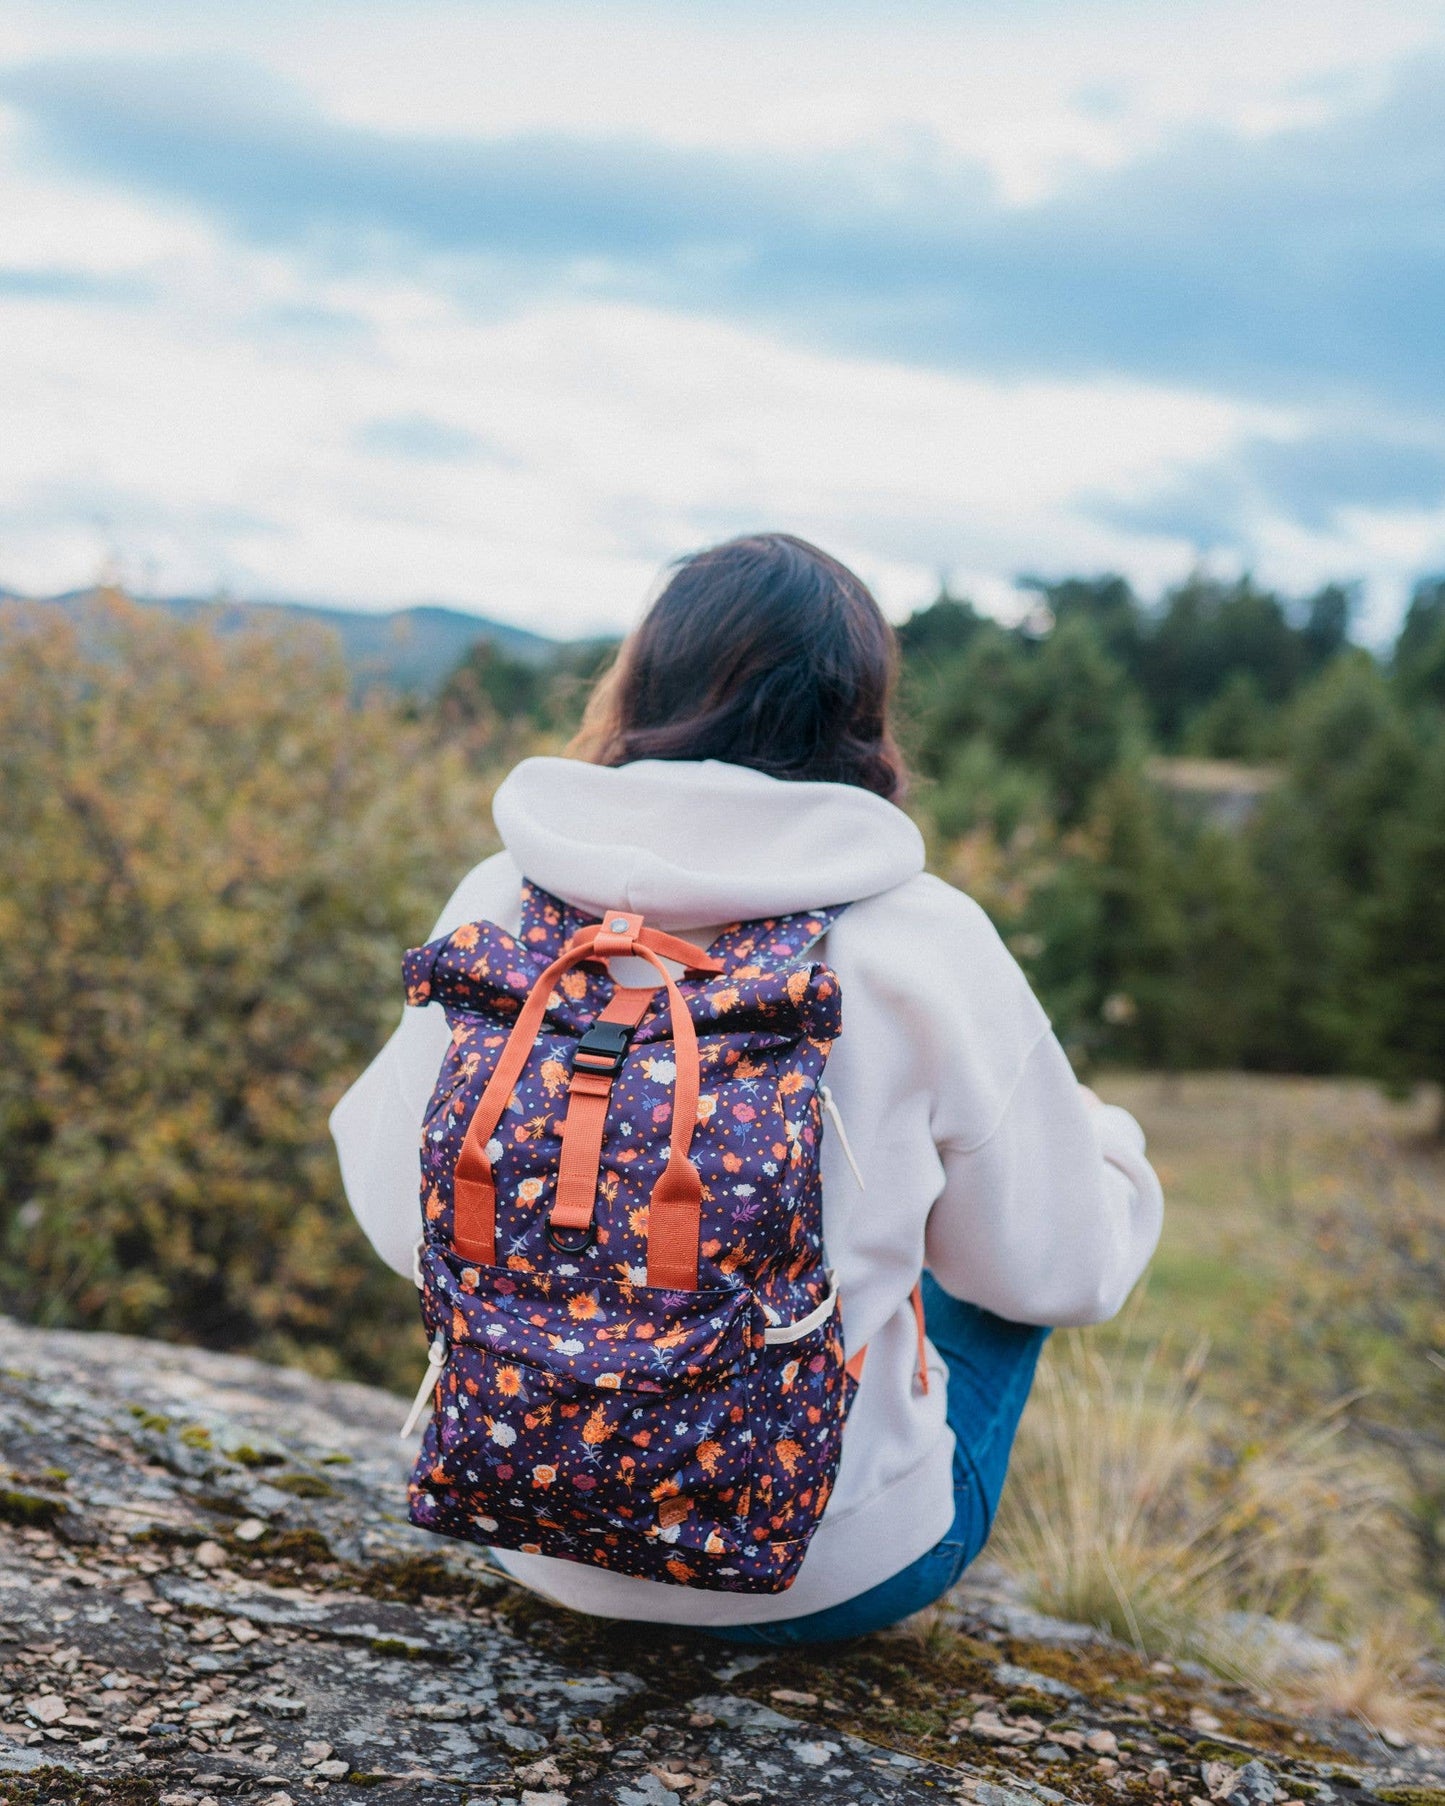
{"x":503,"y":1435}
{"x":661,"y":1072}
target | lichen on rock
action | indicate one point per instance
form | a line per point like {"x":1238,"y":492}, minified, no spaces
{"x":208,"y":1591}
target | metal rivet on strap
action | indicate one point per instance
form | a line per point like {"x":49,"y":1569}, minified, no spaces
{"x":618,"y":925}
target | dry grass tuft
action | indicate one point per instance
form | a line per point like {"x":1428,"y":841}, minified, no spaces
{"x":1124,"y":1511}
{"x":1379,"y":1682}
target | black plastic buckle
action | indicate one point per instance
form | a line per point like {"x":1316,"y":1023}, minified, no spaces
{"x":602,"y":1049}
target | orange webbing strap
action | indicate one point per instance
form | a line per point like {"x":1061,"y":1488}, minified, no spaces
{"x":474,"y":1226}
{"x":587,"y":1101}
{"x":674,"y":1212}
{"x":922,"y":1337}
{"x":474,"y":1233}
{"x":855,"y":1363}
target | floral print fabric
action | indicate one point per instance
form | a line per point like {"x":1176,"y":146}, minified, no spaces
{"x":582,"y":1413}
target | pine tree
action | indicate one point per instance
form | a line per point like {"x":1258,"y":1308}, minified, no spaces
{"x":1407,"y":924}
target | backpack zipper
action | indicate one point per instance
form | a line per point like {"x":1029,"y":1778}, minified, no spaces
{"x":835,"y":1116}
{"x":436,"y":1360}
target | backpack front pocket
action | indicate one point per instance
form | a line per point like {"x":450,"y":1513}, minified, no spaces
{"x":801,"y":1394}
{"x":589,"y":1418}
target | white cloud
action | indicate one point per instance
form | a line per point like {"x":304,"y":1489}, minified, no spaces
{"x":224,"y":432}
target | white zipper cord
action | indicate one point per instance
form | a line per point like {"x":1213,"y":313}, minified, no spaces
{"x":436,"y":1360}
{"x":835,"y":1116}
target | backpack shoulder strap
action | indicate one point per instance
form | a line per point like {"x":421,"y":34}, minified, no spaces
{"x":855,"y":1362}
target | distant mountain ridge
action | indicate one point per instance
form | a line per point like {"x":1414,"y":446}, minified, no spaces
{"x":410,"y":649}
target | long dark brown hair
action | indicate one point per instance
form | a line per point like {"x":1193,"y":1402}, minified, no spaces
{"x":763,"y":652}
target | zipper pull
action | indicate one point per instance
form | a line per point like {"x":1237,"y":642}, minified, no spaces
{"x":835,"y":1116}
{"x":436,"y":1360}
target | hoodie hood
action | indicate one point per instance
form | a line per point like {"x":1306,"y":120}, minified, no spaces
{"x":697,"y":843}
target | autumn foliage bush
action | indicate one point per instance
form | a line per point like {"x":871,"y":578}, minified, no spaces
{"x":212,"y":857}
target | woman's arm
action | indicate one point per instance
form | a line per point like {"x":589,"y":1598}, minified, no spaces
{"x":1043,"y":1208}
{"x":377,"y":1124}
{"x":1054,"y":1215}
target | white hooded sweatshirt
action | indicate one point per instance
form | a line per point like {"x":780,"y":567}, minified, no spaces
{"x":981,"y":1156}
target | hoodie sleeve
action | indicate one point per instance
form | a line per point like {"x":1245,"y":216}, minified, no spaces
{"x":1054,"y":1215}
{"x":377,"y":1124}
{"x":1044,"y":1208}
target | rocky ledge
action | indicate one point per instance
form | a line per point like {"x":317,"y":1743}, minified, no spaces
{"x":208,"y":1591}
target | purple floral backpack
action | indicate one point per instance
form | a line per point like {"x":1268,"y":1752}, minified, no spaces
{"x":636,"y":1352}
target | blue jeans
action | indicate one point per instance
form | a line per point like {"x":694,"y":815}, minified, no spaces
{"x":990,"y":1369}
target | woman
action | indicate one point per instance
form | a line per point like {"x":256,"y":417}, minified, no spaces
{"x":737,"y":763}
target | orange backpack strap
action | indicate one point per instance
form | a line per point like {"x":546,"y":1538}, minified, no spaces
{"x":855,"y":1363}
{"x":922,"y":1328}
{"x":594,"y":1070}
{"x":676,"y":1205}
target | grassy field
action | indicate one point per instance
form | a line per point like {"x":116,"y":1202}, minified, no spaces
{"x":1264,"y":1427}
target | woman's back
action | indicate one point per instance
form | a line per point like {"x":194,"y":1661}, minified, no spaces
{"x":980,"y":1156}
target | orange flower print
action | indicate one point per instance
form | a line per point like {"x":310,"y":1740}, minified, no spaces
{"x":791,"y":1082}
{"x":509,"y":1381}
{"x":679,"y":1570}
{"x":707,"y":1106}
{"x":597,"y":1429}
{"x":459,"y":1327}
{"x":433,"y":1205}
{"x":798,"y":981}
{"x":529,"y":1191}
{"x":582,"y":1305}
{"x":543,"y":1474}
{"x":790,"y":1374}
{"x":709,"y":1454}
{"x":574,"y":984}
{"x":467,"y":935}
{"x":789,"y":1453}
{"x":554,"y":1076}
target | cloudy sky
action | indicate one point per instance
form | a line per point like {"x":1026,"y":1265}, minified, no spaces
{"x":503,"y":304}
